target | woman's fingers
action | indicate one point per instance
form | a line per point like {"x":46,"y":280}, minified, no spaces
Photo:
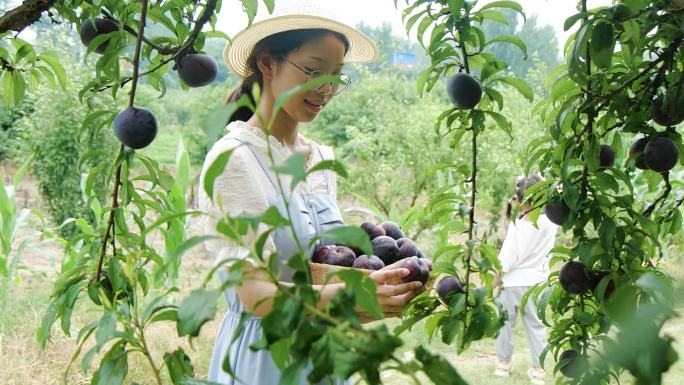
{"x":402,"y":299}
{"x":392,"y":290}
{"x":382,"y":276}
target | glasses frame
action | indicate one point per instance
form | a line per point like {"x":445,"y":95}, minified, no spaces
{"x":334,"y":87}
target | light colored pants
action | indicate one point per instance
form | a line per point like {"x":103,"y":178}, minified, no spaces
{"x":509,"y":298}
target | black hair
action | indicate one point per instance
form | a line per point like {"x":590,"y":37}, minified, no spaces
{"x":521,"y":186}
{"x":277,"y":46}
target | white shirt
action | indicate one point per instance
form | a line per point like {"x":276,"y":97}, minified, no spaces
{"x":524,"y":255}
{"x":244,"y":188}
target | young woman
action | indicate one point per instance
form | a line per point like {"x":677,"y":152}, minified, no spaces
{"x":524,"y":262}
{"x":299,"y":42}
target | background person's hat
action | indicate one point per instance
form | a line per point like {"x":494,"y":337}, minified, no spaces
{"x":296,"y":14}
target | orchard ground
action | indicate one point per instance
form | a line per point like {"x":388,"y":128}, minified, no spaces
{"x":23,"y":362}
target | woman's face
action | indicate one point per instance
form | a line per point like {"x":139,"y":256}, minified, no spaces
{"x":326,"y":54}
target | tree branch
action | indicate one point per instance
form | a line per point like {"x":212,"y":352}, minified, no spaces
{"x":24,"y":15}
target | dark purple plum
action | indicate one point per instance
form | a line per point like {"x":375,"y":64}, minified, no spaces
{"x":464,"y":91}
{"x":409,"y":250}
{"x":197,"y":70}
{"x":101,"y":26}
{"x":135,"y":127}
{"x":637,"y":152}
{"x":321,"y":253}
{"x":418,"y":270}
{"x":448,"y":285}
{"x":392,"y":230}
{"x":428,"y":262}
{"x":386,"y":249}
{"x":572,"y":364}
{"x":401,"y":241}
{"x":661,"y":154}
{"x":368,"y":263}
{"x":606,"y":156}
{"x":340,"y":256}
{"x":557,"y":212}
{"x":372,"y":230}
{"x":574,"y":278}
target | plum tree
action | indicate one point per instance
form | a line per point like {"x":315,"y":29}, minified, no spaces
{"x":90,"y":30}
{"x":135,"y":127}
{"x":464,"y":91}
{"x":197,"y":70}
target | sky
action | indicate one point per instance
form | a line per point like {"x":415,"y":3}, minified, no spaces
{"x":552,"y":12}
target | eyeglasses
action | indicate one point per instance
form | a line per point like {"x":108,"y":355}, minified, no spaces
{"x":335,"y":88}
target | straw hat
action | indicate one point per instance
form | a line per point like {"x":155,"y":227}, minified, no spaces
{"x":296,"y":14}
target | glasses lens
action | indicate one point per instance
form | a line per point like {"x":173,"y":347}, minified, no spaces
{"x":335,"y":88}
{"x":346,"y":81}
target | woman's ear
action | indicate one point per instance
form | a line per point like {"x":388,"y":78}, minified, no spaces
{"x":266,"y":65}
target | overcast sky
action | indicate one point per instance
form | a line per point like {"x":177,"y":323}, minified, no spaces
{"x":552,"y":12}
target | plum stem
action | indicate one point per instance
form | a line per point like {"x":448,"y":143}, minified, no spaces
{"x":662,"y":197}
{"x":136,"y":57}
{"x":145,"y":349}
{"x":110,"y":221}
{"x":473,"y":193}
{"x":591,"y":114}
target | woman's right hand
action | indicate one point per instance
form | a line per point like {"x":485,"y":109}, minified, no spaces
{"x":395,"y":295}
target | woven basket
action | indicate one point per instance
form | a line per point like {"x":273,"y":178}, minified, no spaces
{"x":319,"y":274}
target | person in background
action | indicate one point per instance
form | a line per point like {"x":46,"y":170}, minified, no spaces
{"x":524,"y":260}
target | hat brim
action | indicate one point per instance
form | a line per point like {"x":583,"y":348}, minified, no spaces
{"x":235,"y":55}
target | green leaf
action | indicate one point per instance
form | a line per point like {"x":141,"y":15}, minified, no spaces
{"x":179,"y":365}
{"x":113,"y":368}
{"x":182,"y":167}
{"x":250,"y":7}
{"x":512,"y":40}
{"x":576,"y":63}
{"x":349,"y":235}
{"x":214,"y":170}
{"x":501,"y":121}
{"x":334,"y":165}
{"x":53,"y":61}
{"x":177,"y":252}
{"x":364,"y":291}
{"x":494,"y":16}
{"x":18,"y":86}
{"x":195,"y":310}
{"x":570,"y":21}
{"x":602,"y":44}
{"x":519,"y":84}
{"x":505,"y":4}
{"x":295,"y":166}
{"x":438,"y":369}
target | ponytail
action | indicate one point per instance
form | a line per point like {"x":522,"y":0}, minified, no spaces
{"x":243,"y":113}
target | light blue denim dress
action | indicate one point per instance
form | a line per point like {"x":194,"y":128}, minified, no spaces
{"x":312,"y":213}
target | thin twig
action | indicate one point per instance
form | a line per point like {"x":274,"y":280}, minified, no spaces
{"x":110,"y":221}
{"x":668,"y":189}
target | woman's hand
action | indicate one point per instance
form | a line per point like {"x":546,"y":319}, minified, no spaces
{"x":396,"y":295}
